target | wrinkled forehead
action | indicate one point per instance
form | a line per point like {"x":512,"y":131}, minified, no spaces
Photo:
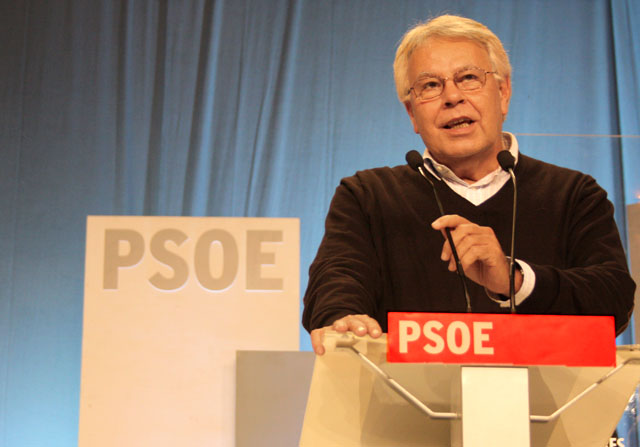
{"x":445,"y":56}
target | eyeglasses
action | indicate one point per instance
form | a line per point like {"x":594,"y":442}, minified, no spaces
{"x":430,"y":86}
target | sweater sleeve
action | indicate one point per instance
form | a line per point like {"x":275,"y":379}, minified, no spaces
{"x":595,"y":279}
{"x":344,"y":277}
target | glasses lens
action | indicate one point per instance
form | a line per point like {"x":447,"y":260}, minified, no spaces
{"x":427,"y":87}
{"x":470,"y":79}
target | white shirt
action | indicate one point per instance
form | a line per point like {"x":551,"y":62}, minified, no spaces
{"x":481,"y":191}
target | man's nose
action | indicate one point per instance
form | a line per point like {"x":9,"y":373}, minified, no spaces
{"x":451,"y":94}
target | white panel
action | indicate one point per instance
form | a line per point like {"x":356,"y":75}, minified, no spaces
{"x":168,"y":301}
{"x":495,"y":407}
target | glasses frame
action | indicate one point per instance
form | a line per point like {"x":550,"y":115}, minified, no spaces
{"x":452,"y":77}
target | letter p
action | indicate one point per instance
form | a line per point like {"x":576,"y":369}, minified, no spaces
{"x":113,"y":260}
{"x":407,"y":331}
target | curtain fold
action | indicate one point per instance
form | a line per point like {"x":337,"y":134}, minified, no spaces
{"x":626,"y":23}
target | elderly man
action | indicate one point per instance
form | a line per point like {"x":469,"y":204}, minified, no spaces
{"x":383,"y":248}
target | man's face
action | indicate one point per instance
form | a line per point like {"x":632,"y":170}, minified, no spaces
{"x":460,"y":128}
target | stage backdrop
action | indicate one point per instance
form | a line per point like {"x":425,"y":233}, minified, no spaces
{"x":245,"y":108}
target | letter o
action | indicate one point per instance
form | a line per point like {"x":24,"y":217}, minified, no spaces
{"x":465,"y":337}
{"x":229,"y":260}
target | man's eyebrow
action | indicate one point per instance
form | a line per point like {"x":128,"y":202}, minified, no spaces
{"x":428,"y":74}
{"x":468,"y":67}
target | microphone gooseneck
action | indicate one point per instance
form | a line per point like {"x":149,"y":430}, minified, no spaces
{"x":507,"y":163}
{"x":416,"y":162}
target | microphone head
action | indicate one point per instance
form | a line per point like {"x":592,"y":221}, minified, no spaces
{"x":414,"y":159}
{"x":506,"y":160}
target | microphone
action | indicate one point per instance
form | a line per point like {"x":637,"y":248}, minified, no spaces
{"x":416,"y":162}
{"x":507,"y":163}
{"x":506,"y":160}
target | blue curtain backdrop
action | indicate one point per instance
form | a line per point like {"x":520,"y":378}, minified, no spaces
{"x":245,"y":108}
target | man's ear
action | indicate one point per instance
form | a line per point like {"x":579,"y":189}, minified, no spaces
{"x":505,"y":96}
{"x":409,"y":108}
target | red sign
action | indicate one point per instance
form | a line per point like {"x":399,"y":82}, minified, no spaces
{"x":501,"y":339}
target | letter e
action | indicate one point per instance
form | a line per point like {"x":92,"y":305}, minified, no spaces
{"x":479,"y":337}
{"x":256,"y":258}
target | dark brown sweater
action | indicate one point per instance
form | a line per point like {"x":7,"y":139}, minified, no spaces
{"x":380,"y":254}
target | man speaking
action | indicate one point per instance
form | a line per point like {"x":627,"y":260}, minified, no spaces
{"x":393,"y":242}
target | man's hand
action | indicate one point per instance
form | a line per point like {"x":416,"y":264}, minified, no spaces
{"x":481,"y":256}
{"x":358,"y":324}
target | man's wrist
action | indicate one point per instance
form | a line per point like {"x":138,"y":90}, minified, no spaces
{"x":517,"y":285}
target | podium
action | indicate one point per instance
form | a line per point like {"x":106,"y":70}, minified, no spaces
{"x":358,"y":399}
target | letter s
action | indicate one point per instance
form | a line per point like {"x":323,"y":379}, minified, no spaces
{"x":429,"y":331}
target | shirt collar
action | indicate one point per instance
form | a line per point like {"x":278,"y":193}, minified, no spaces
{"x":449,"y":175}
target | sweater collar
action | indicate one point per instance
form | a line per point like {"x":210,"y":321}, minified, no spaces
{"x":495,"y":176}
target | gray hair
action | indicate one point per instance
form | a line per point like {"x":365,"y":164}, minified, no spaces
{"x":447,"y":27}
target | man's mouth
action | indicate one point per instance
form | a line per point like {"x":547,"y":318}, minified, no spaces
{"x":458,"y":123}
